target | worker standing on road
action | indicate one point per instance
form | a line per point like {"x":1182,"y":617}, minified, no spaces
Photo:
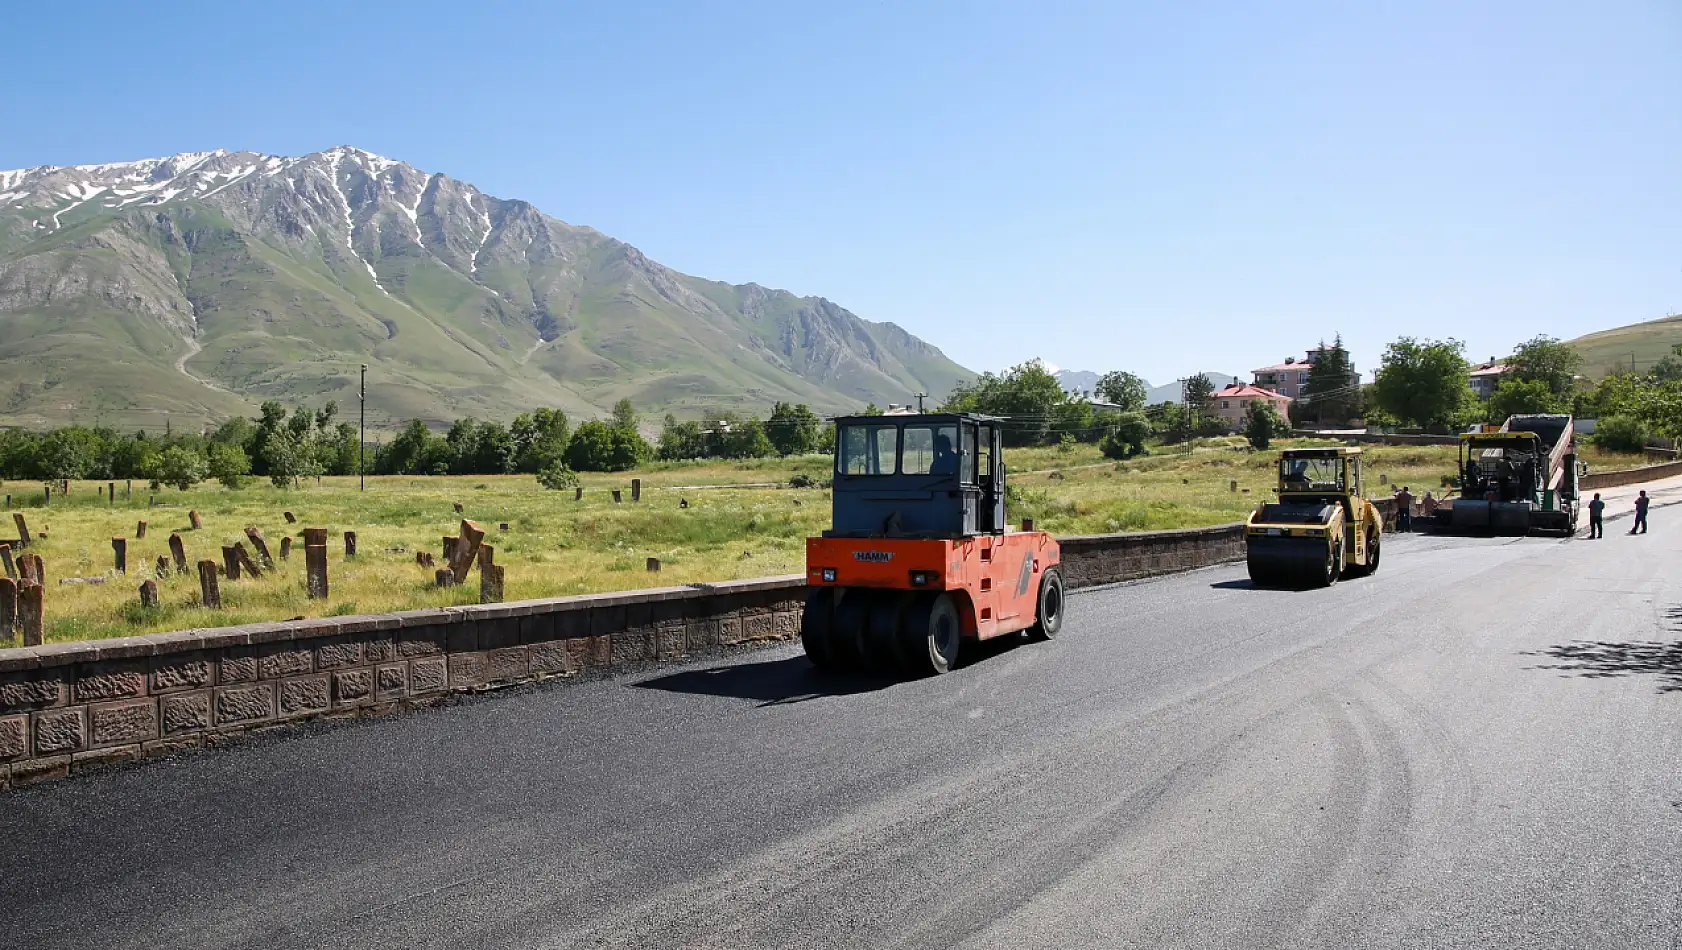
{"x":1597,"y":521}
{"x":1428,"y":505}
{"x":1640,"y":513}
{"x":1404,"y":509}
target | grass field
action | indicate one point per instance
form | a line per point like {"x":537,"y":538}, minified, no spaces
{"x":736,"y":526}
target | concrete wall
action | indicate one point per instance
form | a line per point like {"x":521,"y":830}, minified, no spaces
{"x":68,"y":707}
{"x":1595,"y":481}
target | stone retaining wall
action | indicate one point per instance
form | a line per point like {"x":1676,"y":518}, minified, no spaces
{"x":72,"y":706}
{"x":68,"y":707}
{"x":1629,"y":476}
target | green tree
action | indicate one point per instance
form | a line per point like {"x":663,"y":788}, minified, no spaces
{"x":1423,"y":382}
{"x":792,"y":429}
{"x":1027,"y":396}
{"x":624,"y":415}
{"x":681,"y":440}
{"x":1199,"y":401}
{"x":228,"y":464}
{"x":1515,"y":397}
{"x":1547,"y":361}
{"x":1125,"y":435}
{"x":1262,"y":424}
{"x":540,"y":439}
{"x":1334,"y":391}
{"x":599,"y":447}
{"x":290,"y":458}
{"x":1669,"y":369}
{"x":741,"y":438}
{"x":870,"y":410}
{"x":177,"y":466}
{"x":1123,"y":390}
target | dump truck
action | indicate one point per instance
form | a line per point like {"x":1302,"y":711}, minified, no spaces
{"x":919,"y":556}
{"x":1321,"y":529}
{"x":1516,"y":479}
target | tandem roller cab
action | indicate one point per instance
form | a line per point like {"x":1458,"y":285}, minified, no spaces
{"x":919,"y":556}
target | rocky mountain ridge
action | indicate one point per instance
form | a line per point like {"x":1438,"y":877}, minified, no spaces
{"x":200,"y":283}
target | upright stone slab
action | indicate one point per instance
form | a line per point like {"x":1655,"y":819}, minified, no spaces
{"x":578,"y":493}
{"x":458,"y":507}
{"x":315,"y":566}
{"x":140,"y":531}
{"x":23,"y":529}
{"x":149,"y":594}
{"x":255,"y":536}
{"x":443,"y":577}
{"x":197,"y":522}
{"x":30,"y":613}
{"x":210,"y":591}
{"x":8,"y":607}
{"x":6,"y":559}
{"x":26,"y":570}
{"x":487,"y":555}
{"x":653,"y":565}
{"x":285,"y":548}
{"x":111,"y":492}
{"x":315,"y":537}
{"x":636,"y":489}
{"x":290,"y":517}
{"x":119,"y":555}
{"x":350,"y":544}
{"x":490,"y":584}
{"x":230,"y":562}
{"x":162,"y":566}
{"x":178,"y":552}
{"x":616,"y":496}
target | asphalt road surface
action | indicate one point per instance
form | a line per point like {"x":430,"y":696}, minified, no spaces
{"x":1479,"y":747}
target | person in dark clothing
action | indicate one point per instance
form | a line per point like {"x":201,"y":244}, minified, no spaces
{"x":1640,"y":514}
{"x":945,"y":460}
{"x":1597,"y":520}
{"x":1404,"y":510}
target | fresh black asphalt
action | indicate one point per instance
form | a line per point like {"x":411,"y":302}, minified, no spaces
{"x":1481,"y":746}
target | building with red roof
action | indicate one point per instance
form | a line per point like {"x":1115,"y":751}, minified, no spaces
{"x":1232,"y":404}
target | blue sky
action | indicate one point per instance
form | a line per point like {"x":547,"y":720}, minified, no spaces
{"x":1163,"y":188}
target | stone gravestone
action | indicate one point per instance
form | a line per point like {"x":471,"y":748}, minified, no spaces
{"x":210,"y":591}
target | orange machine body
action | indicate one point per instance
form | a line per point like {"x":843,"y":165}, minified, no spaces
{"x":995,"y":578}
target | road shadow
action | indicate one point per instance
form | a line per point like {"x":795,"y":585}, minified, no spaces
{"x":770,"y":683}
{"x":1600,"y":659}
{"x":1243,"y":583}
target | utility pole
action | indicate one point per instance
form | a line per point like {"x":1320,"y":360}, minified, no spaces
{"x":920,"y":402}
{"x":362,"y":433}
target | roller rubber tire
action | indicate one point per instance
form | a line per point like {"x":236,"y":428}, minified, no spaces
{"x":847,"y":645}
{"x":886,"y":645}
{"x":817,"y":619}
{"x":1048,"y":612}
{"x":931,"y":633}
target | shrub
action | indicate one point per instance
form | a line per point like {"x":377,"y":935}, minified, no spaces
{"x":557,"y":477}
{"x":1620,"y":434}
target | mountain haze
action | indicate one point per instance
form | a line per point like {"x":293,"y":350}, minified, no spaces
{"x":204,"y":282}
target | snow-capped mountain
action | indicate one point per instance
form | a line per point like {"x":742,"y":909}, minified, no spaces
{"x":206,"y":280}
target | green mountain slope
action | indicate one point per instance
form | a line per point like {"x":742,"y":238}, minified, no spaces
{"x":201,"y":283}
{"x":1645,"y":343}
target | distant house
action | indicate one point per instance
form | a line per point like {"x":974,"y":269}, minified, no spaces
{"x":1486,"y":377}
{"x":1290,"y":378}
{"x":1233,"y":403}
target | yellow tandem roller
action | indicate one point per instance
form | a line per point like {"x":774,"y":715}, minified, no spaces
{"x":1321,"y":529}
